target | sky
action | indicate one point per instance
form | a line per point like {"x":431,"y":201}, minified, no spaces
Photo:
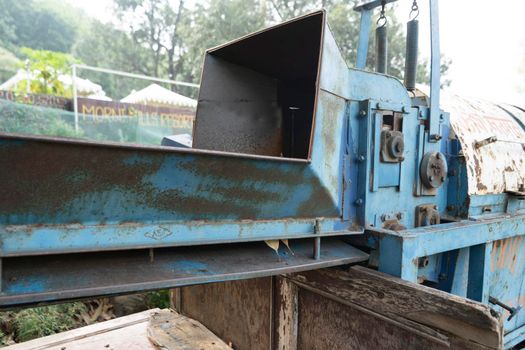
{"x":485,"y":40}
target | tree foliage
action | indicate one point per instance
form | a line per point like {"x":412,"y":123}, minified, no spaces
{"x":46,"y":68}
{"x":168,"y":38}
{"x":30,"y":24}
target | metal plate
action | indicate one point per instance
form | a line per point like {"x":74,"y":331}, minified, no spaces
{"x":60,"y":277}
{"x":496,"y":167}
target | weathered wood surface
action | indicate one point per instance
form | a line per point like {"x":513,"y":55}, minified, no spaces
{"x":148,"y":330}
{"x":239,"y":312}
{"x":127,"y":333}
{"x":335,"y":309}
{"x":328,"y":324}
{"x":172,"y":331}
{"x":460,"y":322}
{"x":286,"y":315}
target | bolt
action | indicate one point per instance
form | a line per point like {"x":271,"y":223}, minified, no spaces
{"x":378,"y":105}
{"x":361,"y":158}
{"x":359,"y":202}
{"x":435,"y":137}
{"x":363,"y":113}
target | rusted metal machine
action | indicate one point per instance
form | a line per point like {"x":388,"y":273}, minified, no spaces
{"x":289,"y":144}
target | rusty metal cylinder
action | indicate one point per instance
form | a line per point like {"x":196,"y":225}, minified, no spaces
{"x":381,"y":49}
{"x":411,"y":54}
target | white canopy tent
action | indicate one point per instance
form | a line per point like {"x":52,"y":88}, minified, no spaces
{"x":157,"y":95}
{"x":85,"y":87}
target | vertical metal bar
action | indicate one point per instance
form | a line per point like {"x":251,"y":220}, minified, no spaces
{"x":28,"y":78}
{"x":435,"y":72}
{"x":460,"y":278}
{"x":317,"y":248}
{"x":479,"y":272}
{"x":378,"y":119}
{"x":75,"y":102}
{"x":364,"y":34}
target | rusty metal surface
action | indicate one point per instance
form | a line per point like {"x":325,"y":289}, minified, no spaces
{"x":71,"y":183}
{"x":254,"y":102}
{"x":71,"y":276}
{"x":497,"y":166}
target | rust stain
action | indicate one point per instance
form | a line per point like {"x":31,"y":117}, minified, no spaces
{"x":44,"y":181}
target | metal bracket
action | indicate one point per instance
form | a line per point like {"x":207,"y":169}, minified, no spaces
{"x":427,"y":215}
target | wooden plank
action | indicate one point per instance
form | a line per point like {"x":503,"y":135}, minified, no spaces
{"x":172,"y":331}
{"x":328,"y":324}
{"x":408,"y":303}
{"x":239,"y":312}
{"x":286,"y":314}
{"x":57,"y":341}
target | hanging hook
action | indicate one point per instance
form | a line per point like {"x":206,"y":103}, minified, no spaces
{"x":413,"y":9}
{"x":382,"y":16}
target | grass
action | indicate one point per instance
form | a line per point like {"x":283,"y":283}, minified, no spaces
{"x":20,"y":326}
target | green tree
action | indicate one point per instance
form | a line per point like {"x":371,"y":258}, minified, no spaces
{"x":9,"y":64}
{"x":30,"y":24}
{"x":47,"y":67}
{"x":101,"y":45}
{"x":155,"y":24}
{"x":215,"y":22}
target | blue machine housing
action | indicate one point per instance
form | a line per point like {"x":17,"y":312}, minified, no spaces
{"x":289,"y":143}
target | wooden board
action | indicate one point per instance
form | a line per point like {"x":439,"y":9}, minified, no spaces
{"x":358,"y":308}
{"x":140,"y":331}
{"x":422,"y":309}
{"x":239,"y":312}
{"x":170,"y":330}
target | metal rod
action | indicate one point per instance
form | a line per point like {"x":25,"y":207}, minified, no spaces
{"x":435,"y":72}
{"x":137,"y":76}
{"x":317,"y":248}
{"x":512,"y":310}
{"x":381,"y":50}
{"x":411,"y":54}
{"x":75,"y":96}
{"x":362,"y":45}
{"x":371,"y":5}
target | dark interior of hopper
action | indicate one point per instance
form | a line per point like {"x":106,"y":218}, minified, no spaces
{"x":257,"y":94}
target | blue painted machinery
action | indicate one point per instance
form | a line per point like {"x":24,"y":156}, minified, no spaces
{"x":289,"y":144}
